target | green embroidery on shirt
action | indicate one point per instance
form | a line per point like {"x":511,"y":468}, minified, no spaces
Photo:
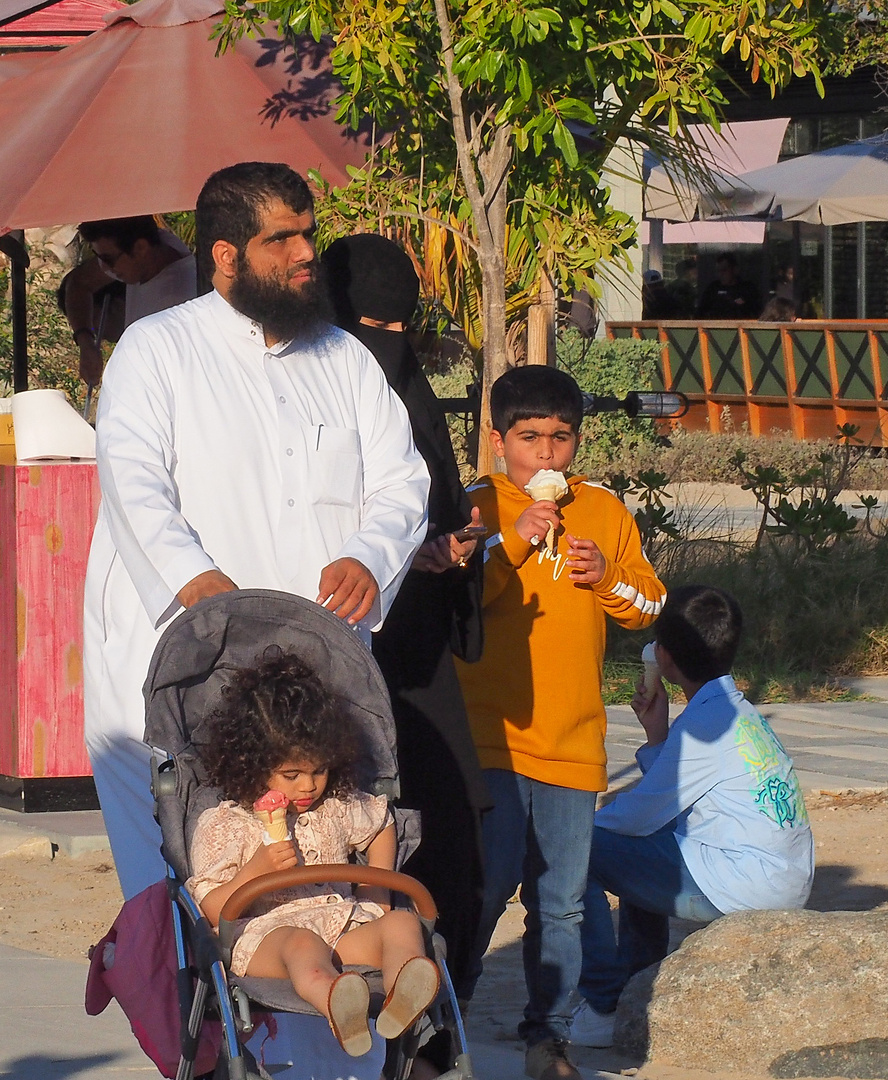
{"x":775,"y":786}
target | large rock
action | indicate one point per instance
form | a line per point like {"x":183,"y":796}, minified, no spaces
{"x":763,"y":991}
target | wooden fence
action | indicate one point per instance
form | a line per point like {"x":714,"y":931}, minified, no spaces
{"x":805,"y":377}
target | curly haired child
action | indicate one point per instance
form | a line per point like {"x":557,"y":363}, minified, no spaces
{"x":280,"y":730}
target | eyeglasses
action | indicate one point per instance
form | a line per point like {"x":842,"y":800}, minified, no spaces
{"x":110,"y":260}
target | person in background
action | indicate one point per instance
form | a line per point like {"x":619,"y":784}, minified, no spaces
{"x":157,"y":268}
{"x":778,"y":309}
{"x":436,"y":615}
{"x":656,"y":303}
{"x":683,"y":289}
{"x":729,"y":296}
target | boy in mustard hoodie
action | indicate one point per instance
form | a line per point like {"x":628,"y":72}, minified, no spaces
{"x":534,"y":698}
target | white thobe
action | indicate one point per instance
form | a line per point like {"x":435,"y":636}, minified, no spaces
{"x":217,"y":452}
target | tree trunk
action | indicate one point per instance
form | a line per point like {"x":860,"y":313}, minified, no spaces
{"x":493,"y":306}
{"x":493,"y":285}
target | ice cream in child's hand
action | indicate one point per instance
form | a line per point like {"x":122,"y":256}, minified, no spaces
{"x":271,"y":810}
{"x":547,"y":484}
{"x":651,"y":668}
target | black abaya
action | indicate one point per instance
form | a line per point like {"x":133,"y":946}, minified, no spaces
{"x":433,"y":616}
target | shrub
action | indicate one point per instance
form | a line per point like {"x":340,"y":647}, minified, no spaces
{"x":703,"y":457}
{"x":612,"y":369}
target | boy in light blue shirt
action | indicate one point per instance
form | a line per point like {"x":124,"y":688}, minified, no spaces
{"x":716,"y":824}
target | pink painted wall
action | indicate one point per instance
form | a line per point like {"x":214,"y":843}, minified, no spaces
{"x":47,"y":514}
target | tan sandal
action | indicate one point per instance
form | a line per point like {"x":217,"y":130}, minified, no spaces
{"x":347,"y":1005}
{"x":415,"y":988}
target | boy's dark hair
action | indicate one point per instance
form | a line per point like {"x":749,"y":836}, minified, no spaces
{"x":229,"y":204}
{"x":535,"y":391}
{"x":700,"y":628}
{"x":271,"y":712}
{"x":123,"y":231}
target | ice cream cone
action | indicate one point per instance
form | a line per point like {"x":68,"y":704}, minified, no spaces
{"x":271,"y":810}
{"x":275,"y":824}
{"x":550,"y":485}
{"x":651,"y":669}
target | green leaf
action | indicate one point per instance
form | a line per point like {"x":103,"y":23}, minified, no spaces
{"x":525,"y":84}
{"x":671,"y":11}
{"x":564,"y":140}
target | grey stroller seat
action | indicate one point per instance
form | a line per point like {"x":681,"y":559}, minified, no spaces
{"x":193,"y":661}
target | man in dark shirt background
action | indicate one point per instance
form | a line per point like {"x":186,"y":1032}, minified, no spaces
{"x":729,"y":296}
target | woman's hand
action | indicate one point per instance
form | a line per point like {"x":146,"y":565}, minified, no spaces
{"x":447,"y":551}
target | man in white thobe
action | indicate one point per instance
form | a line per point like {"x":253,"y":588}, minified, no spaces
{"x":241,"y":442}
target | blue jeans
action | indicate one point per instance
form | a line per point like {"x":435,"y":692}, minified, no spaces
{"x":650,"y":878}
{"x":538,"y":835}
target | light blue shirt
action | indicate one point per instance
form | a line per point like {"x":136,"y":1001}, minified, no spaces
{"x":724,"y":781}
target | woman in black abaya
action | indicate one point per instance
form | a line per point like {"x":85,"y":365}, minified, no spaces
{"x":437,"y":612}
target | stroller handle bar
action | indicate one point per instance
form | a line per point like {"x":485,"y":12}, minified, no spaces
{"x":321,"y":873}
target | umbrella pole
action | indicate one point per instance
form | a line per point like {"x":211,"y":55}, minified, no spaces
{"x":13,"y":245}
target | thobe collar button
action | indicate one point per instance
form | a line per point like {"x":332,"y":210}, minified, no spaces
{"x":289,"y":451}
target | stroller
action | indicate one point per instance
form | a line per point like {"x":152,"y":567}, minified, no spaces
{"x":192,"y":662}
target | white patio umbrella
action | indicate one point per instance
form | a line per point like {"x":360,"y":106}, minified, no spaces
{"x":832,"y":187}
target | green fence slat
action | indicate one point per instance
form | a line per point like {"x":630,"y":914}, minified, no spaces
{"x":766,"y":362}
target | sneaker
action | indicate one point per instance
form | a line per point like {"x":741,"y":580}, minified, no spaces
{"x":592,"y":1028}
{"x":548,"y":1060}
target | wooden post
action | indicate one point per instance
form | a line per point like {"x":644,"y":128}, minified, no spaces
{"x":541,"y":324}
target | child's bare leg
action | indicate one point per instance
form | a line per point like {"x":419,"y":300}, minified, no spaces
{"x":394,"y":944}
{"x":300,"y":956}
{"x":386,"y":943}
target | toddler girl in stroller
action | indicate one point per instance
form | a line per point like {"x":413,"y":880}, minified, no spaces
{"x":280,"y":729}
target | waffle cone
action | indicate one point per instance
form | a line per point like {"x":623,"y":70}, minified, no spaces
{"x":275,"y":823}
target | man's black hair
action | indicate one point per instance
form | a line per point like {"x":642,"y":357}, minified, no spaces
{"x":231,"y":201}
{"x":525,"y":393}
{"x":124,"y":231}
{"x":700,"y":628}
{"x":726,"y":258}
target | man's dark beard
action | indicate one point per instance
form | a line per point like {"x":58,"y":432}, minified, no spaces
{"x":302,"y":317}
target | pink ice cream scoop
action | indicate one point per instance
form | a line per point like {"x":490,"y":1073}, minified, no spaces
{"x":271,"y":809}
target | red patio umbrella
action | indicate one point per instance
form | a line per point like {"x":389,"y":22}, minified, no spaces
{"x":134,"y":118}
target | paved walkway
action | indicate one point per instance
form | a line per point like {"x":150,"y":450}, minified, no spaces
{"x":49,"y":1037}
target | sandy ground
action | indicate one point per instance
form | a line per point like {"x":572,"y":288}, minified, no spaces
{"x":60,"y":907}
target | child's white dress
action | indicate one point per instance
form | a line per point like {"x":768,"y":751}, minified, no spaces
{"x":227,"y":836}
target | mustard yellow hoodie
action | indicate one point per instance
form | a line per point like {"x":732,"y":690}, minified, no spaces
{"x":534,"y":698}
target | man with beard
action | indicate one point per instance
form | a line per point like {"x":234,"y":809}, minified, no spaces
{"x":242,"y":442}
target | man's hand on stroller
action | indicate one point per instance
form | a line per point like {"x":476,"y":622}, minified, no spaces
{"x":209,"y":583}
{"x":348,"y":589}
